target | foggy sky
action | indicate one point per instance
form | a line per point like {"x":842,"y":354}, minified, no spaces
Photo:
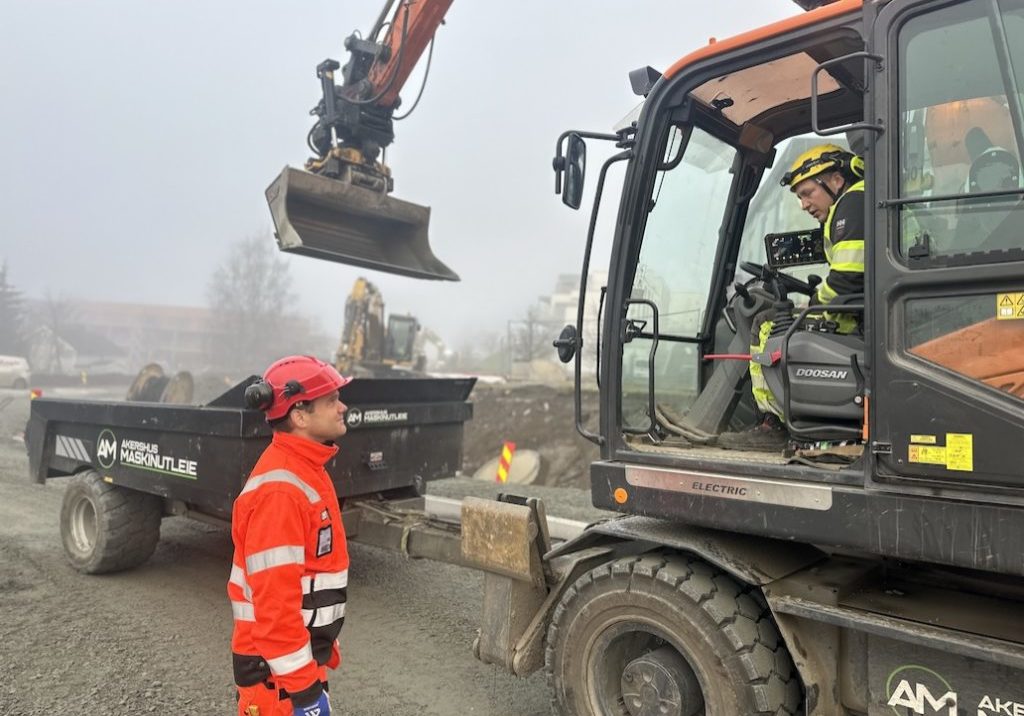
{"x":139,"y":137}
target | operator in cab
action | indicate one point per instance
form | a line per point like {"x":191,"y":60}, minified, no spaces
{"x":828,"y":181}
{"x":289,"y":574}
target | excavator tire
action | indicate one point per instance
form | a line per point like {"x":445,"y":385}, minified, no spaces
{"x":664,"y":633}
{"x":106,"y":528}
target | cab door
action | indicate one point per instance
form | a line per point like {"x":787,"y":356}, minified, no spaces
{"x":667,"y":307}
{"x":948,"y":266}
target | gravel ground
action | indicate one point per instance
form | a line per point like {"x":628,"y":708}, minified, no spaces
{"x":157,"y":639}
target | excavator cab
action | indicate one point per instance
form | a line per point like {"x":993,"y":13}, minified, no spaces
{"x":708,"y":239}
{"x":400,"y":340}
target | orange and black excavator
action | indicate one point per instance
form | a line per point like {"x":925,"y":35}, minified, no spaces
{"x":339,"y":208}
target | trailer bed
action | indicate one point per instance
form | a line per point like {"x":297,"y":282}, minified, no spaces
{"x":401,"y":434}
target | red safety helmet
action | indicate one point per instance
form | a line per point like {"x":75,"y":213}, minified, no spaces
{"x":291,"y":380}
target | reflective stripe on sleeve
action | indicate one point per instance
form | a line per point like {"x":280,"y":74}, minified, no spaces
{"x":324,"y":615}
{"x":290,"y":478}
{"x":288,"y":663}
{"x":848,"y":256}
{"x":238,"y":578}
{"x":325,"y":580}
{"x":243,"y":611}
{"x":763,"y":396}
{"x":825,"y":292}
{"x":275,"y":557}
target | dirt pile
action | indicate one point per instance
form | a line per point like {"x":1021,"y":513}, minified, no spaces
{"x":534,"y":417}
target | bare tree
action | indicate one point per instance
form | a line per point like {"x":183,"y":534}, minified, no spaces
{"x":54,"y":318}
{"x":530,"y":338}
{"x":250,"y":296}
{"x":12,"y":317}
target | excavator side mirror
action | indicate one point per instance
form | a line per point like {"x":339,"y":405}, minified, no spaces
{"x":575,"y":170}
{"x":566,"y":343}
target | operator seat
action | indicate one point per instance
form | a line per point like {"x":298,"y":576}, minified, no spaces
{"x":819,"y":376}
{"x":987,"y":223}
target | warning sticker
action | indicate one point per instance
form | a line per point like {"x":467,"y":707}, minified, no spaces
{"x":927,"y":454}
{"x":1009,"y":306}
{"x":923,"y":439}
{"x":956,"y":454}
{"x":960,"y":451}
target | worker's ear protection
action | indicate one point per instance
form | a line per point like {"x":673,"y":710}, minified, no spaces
{"x":260,"y":395}
{"x":857,"y":167}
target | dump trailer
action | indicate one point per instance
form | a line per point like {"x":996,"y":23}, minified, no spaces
{"x":133,"y":463}
{"x":876,"y":565}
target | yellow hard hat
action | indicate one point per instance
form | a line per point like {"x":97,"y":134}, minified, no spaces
{"x":820,"y":159}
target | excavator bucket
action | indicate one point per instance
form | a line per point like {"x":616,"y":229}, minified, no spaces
{"x":338,"y":221}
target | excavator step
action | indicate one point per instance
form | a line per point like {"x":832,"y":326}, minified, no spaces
{"x":339,"y":221}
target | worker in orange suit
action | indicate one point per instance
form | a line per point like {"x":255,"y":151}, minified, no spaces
{"x":289,"y":573}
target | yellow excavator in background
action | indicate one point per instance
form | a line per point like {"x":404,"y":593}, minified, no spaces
{"x":370,"y":346}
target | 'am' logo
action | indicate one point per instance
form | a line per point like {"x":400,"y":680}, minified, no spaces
{"x":106,"y":449}
{"x":933,"y":696}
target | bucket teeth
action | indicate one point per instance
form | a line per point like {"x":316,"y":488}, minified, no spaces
{"x":338,"y":221}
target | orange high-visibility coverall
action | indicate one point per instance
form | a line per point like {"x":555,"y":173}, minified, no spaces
{"x":289,"y":576}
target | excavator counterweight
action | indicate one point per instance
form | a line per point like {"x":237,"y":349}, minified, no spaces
{"x":340,"y":221}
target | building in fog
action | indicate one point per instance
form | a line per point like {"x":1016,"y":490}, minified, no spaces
{"x":109,"y":337}
{"x":559,"y":308}
{"x":177,"y":337}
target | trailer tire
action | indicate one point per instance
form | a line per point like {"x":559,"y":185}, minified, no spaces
{"x":106,"y":528}
{"x":663,"y":633}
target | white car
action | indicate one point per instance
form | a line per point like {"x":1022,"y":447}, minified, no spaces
{"x":14,"y":372}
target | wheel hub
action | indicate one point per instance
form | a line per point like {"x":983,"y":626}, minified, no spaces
{"x":661,"y":683}
{"x":83,"y":525}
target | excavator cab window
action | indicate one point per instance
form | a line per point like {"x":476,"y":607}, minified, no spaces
{"x":674,"y":272}
{"x":960,"y":143}
{"x":401,"y":339}
{"x":960,"y":172}
{"x":947,"y":361}
{"x":773,"y":210}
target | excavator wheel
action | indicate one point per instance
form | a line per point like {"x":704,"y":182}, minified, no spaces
{"x":667,"y":634}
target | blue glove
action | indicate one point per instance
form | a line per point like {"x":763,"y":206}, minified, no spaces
{"x":322,"y":707}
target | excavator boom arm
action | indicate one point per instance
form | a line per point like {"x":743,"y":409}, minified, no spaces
{"x":412,"y":27}
{"x":340,"y":209}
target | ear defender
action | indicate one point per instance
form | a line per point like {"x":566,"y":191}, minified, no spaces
{"x":259,"y":395}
